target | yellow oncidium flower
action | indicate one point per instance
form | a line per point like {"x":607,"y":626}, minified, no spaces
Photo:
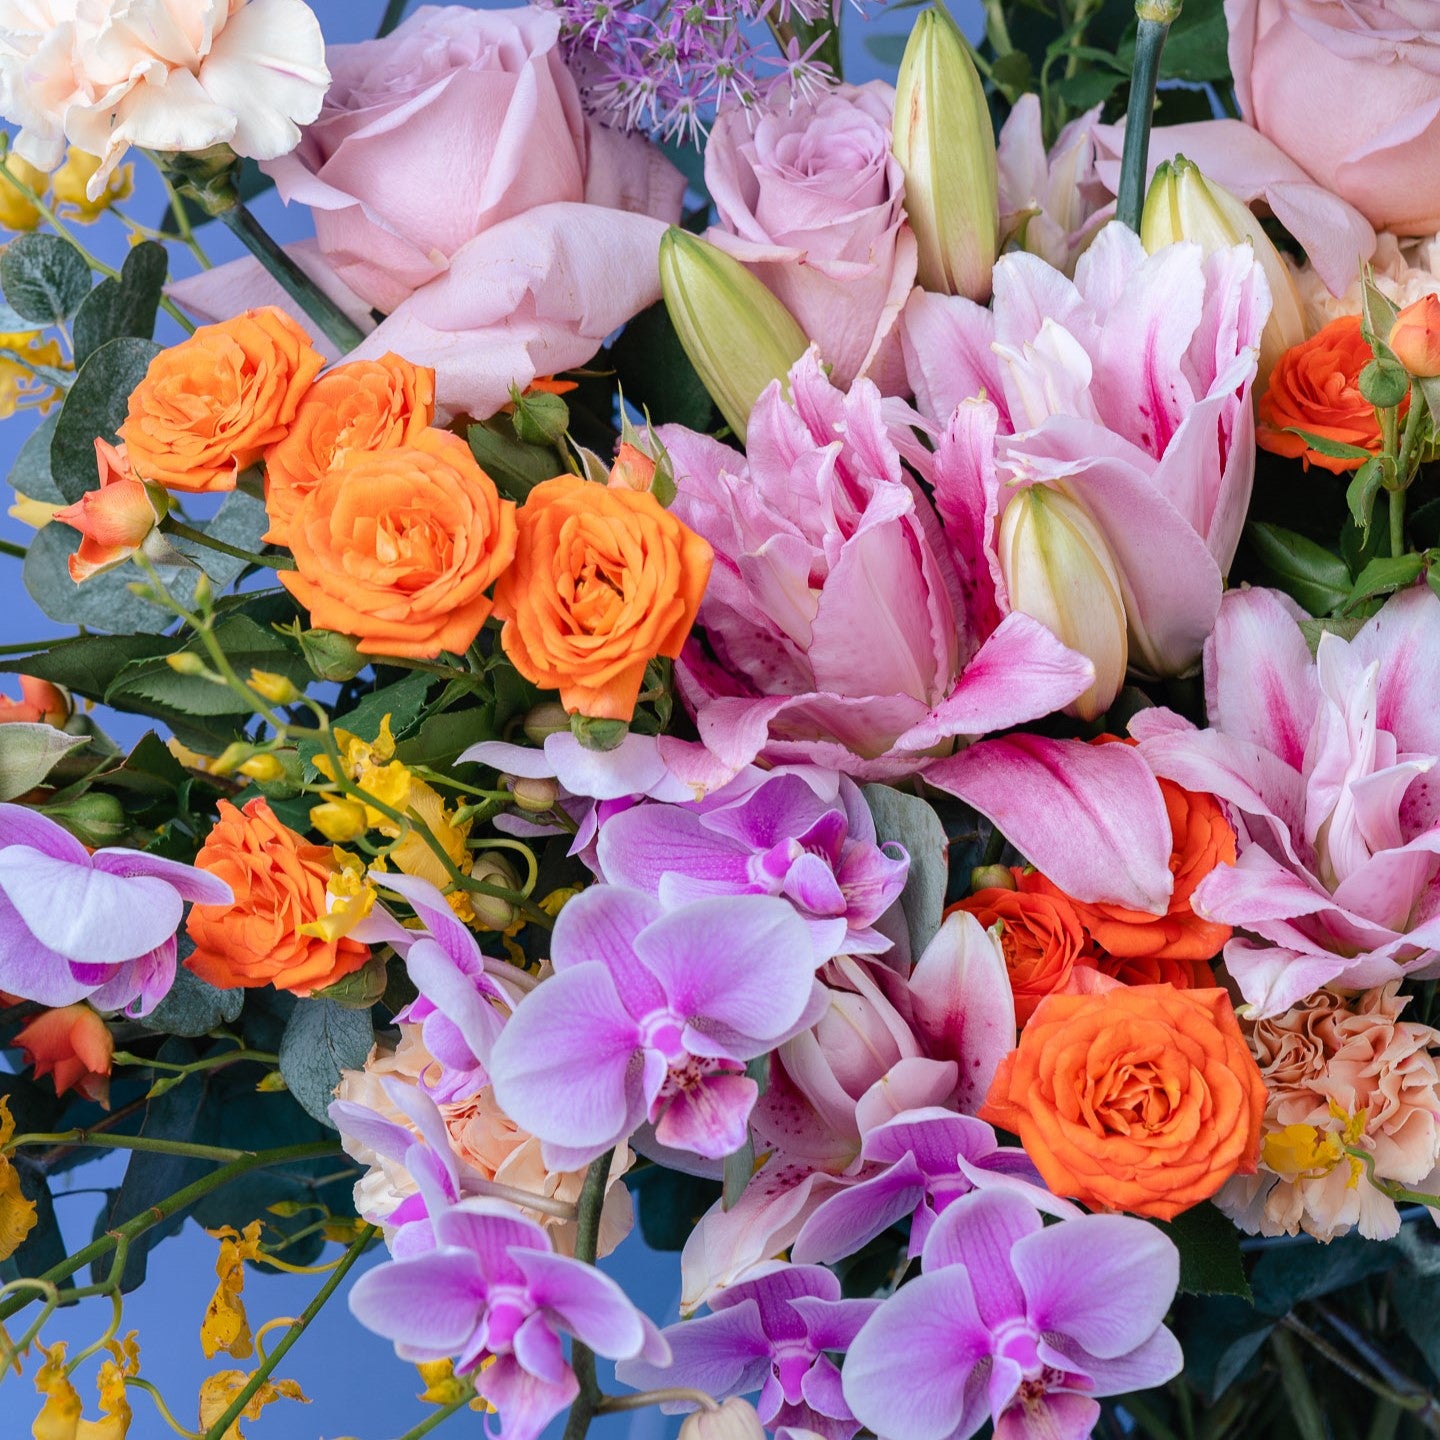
{"x":61,"y":1417}
{"x":340,"y":820}
{"x":20,"y":387}
{"x":17,"y":210}
{"x":1306,"y":1152}
{"x":17,"y":1214}
{"x":35,"y":513}
{"x":443,"y":1388}
{"x":190,"y":759}
{"x":220,"y":1389}
{"x":226,"y":1326}
{"x":69,"y":183}
{"x":352,"y":898}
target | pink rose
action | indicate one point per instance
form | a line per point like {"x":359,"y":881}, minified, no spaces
{"x":812,"y":201}
{"x":1352,"y":94}
{"x":458,"y":121}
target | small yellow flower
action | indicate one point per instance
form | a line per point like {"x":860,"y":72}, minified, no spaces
{"x":264,"y":768}
{"x":1300,"y":1151}
{"x":17,"y":1214}
{"x":352,"y":897}
{"x":442,"y":1387}
{"x":339,"y":820}
{"x":59,"y":1417}
{"x":71,"y":179}
{"x":226,"y":1326}
{"x":19,"y":386}
{"x":275,"y":688}
{"x":17,"y":210}
{"x":35,"y":513}
{"x":220,"y":1389}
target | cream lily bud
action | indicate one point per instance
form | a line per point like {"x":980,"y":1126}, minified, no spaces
{"x":738,"y":336}
{"x":945,"y":144}
{"x":1183,"y":205}
{"x":1059,"y":571}
{"x":734,"y":1420}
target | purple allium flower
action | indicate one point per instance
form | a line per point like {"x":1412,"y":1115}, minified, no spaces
{"x":652,"y":1015}
{"x":76,"y":926}
{"x":1006,"y":1323}
{"x":790,"y":834}
{"x":768,"y":1332}
{"x":492,"y":1288}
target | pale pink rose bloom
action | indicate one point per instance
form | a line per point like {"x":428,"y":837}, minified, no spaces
{"x":486,"y":1143}
{"x":812,"y":201}
{"x":167,"y":75}
{"x":1341,"y":1063}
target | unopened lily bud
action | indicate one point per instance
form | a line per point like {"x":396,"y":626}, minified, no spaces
{"x":1059,"y":571}
{"x":945,"y":144}
{"x":536,"y":796}
{"x":991,"y":877}
{"x":734,"y":1420}
{"x":1183,"y":205}
{"x":738,"y":336}
{"x":1415,"y":337}
{"x":277,"y":689}
{"x":545,"y":720}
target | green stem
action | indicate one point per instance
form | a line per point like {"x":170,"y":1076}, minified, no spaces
{"x":266,"y":1368}
{"x":1154,"y":24}
{"x":394,"y":13}
{"x":341,"y":331}
{"x":135,"y":1382}
{"x":171,"y":526}
{"x":84,"y":1138}
{"x":587,"y":1241}
{"x":8,"y":548}
{"x":1341,"y":1361}
{"x":435,"y":1421}
{"x":1413,"y":428}
{"x":641,"y":1400}
{"x":1397,"y":522}
{"x":168,"y":1208}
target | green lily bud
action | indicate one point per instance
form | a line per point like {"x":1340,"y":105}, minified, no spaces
{"x":945,"y":144}
{"x":738,"y":336}
{"x":1183,"y":205}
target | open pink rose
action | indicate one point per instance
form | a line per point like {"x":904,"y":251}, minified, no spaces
{"x":458,"y":121}
{"x":812,"y":201}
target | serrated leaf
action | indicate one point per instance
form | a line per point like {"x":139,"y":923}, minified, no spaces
{"x":1384,"y":574}
{"x":1361,"y":493}
{"x":96,"y":406}
{"x":1209,"y":1246}
{"x":29,"y":752}
{"x":403,"y":702}
{"x":1318,"y":578}
{"x":87,"y":665}
{"x":515,"y":466}
{"x":320,"y":1040}
{"x":43,"y":277}
{"x":910,"y":822}
{"x":123,"y":307}
{"x":1335,"y":449}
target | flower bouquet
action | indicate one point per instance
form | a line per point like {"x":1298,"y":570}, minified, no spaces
{"x":845,"y":673}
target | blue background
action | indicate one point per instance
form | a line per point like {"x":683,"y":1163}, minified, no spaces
{"x":358,"y":1388}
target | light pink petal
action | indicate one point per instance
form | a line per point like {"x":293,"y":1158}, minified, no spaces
{"x":711,"y":1118}
{"x":948,"y":358}
{"x":188,"y":881}
{"x":1404,"y":636}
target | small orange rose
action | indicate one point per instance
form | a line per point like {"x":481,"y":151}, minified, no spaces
{"x":40,"y":702}
{"x":398,"y":547}
{"x":1144,"y":1098}
{"x":1315,"y":386}
{"x":115,"y":520}
{"x":363,"y":405}
{"x":1157,"y":970}
{"x":1415,"y":337}
{"x":1040,"y":935}
{"x":213,"y":404}
{"x":603,"y":581}
{"x":74,"y":1045}
{"x":280,"y":886}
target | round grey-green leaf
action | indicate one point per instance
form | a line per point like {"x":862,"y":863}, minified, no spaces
{"x":43,"y":277}
{"x":96,"y":407}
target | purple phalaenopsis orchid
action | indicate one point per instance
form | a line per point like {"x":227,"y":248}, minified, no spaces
{"x":790,"y":834}
{"x":651,"y":1015}
{"x":76,"y":926}
{"x":492,"y":1289}
{"x":768,"y":1332}
{"x":1003,"y":1324}
{"x":916,"y":1166}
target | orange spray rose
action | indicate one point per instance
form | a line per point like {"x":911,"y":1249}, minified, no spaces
{"x":40,"y":702}
{"x":1415,"y":337}
{"x":115,"y":520}
{"x":211,"y":405}
{"x":74,"y":1045}
{"x":603,"y":581}
{"x":280,"y":889}
{"x":398,"y":547}
{"x":1143,"y":1099}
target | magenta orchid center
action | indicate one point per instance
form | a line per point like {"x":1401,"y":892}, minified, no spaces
{"x":507,"y":1309}
{"x":794,"y":1359}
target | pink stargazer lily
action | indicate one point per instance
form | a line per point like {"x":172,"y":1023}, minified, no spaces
{"x":1325,"y":764}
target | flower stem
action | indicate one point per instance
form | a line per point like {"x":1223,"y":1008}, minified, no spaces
{"x":435,"y":1421}
{"x":84,"y":1138}
{"x":8,"y":548}
{"x":394,"y":13}
{"x":341,"y":331}
{"x":1397,"y":522}
{"x":587,"y":1241}
{"x":1155,"y":18}
{"x":267,"y":1366}
{"x":171,"y":526}
{"x":675,"y":1395}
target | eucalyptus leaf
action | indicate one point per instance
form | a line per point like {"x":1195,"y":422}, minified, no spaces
{"x":44,"y":278}
{"x":910,"y":822}
{"x":103,"y":602}
{"x":30,"y":474}
{"x":320,"y":1040}
{"x":29,"y":752}
{"x":241,"y":521}
{"x":123,"y":307}
{"x":96,"y":407}
{"x":192,"y":1007}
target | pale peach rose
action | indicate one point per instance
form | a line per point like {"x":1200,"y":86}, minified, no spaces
{"x":1341,"y":1071}
{"x":488,"y":1144}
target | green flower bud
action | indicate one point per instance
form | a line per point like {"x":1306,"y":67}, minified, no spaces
{"x":545,"y":720}
{"x":93,"y":818}
{"x":598,"y":734}
{"x":738,"y":336}
{"x":330,"y":655}
{"x":1384,"y":383}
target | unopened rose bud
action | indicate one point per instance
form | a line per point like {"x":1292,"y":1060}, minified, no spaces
{"x":991,"y":877}
{"x":331,"y":656}
{"x":94,"y":818}
{"x":114,"y":520}
{"x":1183,"y":205}
{"x":545,"y":720}
{"x":596,"y":734}
{"x":945,"y":144}
{"x":633,"y":469}
{"x":536,"y":796}
{"x":738,"y":336}
{"x":1415,"y":337}
{"x":1058,"y":570}
{"x":1384,"y":384}
{"x":734,"y":1420}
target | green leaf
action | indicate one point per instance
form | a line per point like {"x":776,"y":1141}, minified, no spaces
{"x":87,"y":665}
{"x":43,"y":277}
{"x":1335,"y":449}
{"x":1196,"y":50}
{"x":1088,"y":87}
{"x":403,"y":702}
{"x":515,"y":467}
{"x":911,"y":823}
{"x":1221,"y":1335}
{"x":1209,"y":1245}
{"x":192,"y":1007}
{"x":739,"y":1170}
{"x":96,"y":406}
{"x":30,"y":474}
{"x":320,"y":1040}
{"x":1413,"y":1292}
{"x":241,"y":521}
{"x":1378,"y":312}
{"x":104,"y":602}
{"x":127,"y":306}
{"x":1286,"y":1275}
{"x":655,"y":373}
{"x":1316,"y":577}
{"x":29,"y":752}
{"x":1384,"y":574}
{"x":1360,"y":496}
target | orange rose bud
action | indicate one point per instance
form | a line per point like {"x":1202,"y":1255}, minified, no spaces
{"x":1144,"y":1099}
{"x":280,"y":884}
{"x":603,"y":581}
{"x":74,"y":1046}
{"x":1315,"y":386}
{"x":40,"y":702}
{"x":363,"y":405}
{"x":115,"y":520}
{"x":633,"y":469}
{"x":398,"y":547}
{"x":212,"y":405}
{"x":1415,"y":337}
{"x":1041,"y":937}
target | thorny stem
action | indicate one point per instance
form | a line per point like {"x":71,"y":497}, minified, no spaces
{"x":587,"y":1240}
